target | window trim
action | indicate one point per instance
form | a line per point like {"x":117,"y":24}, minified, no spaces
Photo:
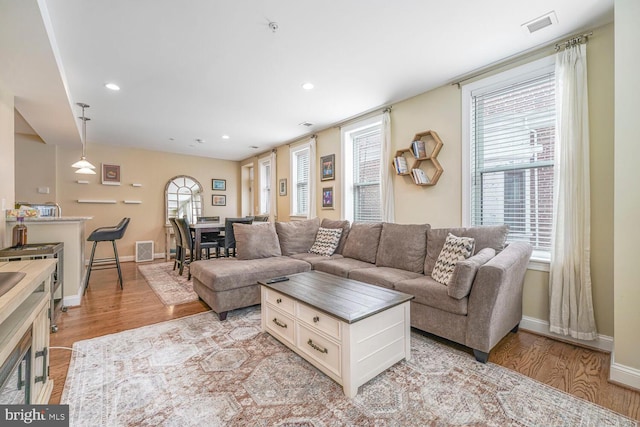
{"x":262,"y":164}
{"x":294,"y":184}
{"x":539,"y":259}
{"x":346,"y":146}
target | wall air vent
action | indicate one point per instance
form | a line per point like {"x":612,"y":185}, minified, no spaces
{"x":540,"y":22}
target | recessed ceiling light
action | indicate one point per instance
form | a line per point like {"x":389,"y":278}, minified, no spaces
{"x":112,"y":86}
{"x":307,"y":124}
{"x":307,"y":86}
{"x":225,"y":137}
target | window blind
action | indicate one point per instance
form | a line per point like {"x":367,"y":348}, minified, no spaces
{"x":512,"y":154}
{"x":301,"y":184}
{"x":367,"y":153}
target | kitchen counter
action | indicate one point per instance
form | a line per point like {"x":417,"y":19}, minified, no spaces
{"x":50,"y":219}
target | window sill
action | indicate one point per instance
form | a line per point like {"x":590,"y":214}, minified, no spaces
{"x":539,"y":263}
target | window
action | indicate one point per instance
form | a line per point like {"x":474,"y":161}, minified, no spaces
{"x":265,"y":185}
{"x":362,"y":154}
{"x":300,"y":180}
{"x":511,"y":135}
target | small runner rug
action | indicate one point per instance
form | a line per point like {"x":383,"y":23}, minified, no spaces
{"x":198,"y":371}
{"x":171,"y":288}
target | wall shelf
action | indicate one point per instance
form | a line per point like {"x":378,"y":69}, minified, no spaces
{"x":135,"y":184}
{"x":432,"y":146}
{"x":97,"y":201}
{"x":80,"y":181}
{"x":132,"y":202}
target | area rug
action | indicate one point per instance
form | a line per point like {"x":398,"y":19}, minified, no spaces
{"x":198,"y":371}
{"x":171,"y":288}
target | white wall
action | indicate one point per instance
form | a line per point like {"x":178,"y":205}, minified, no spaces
{"x":7,"y":175}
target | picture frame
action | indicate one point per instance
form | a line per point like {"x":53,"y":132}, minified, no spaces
{"x":283,"y":187}
{"x":219,"y":184}
{"x":218,"y":200}
{"x":328,"y":167}
{"x":110,"y":174}
{"x":327,"y":198}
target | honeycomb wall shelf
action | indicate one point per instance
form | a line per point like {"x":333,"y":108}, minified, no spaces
{"x":432,"y":144}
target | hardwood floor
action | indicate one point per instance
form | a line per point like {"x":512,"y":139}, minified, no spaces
{"x":106,"y":310}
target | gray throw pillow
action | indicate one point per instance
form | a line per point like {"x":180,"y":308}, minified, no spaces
{"x":326,"y":242}
{"x":255,"y":241}
{"x":296,"y":237}
{"x":363,"y":240}
{"x":455,"y":249}
{"x":465,"y":271}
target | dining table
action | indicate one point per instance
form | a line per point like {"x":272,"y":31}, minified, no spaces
{"x":203,"y":227}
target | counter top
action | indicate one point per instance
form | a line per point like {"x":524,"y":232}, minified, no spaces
{"x":53,"y":219}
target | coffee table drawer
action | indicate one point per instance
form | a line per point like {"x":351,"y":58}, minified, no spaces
{"x":323,"y":351}
{"x":317,"y":319}
{"x":283,"y":302}
{"x":280,"y":324}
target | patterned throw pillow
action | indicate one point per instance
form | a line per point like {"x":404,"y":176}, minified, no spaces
{"x":327,"y":240}
{"x":455,"y":249}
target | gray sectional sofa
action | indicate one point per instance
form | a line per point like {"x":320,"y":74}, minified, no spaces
{"x":481,"y":303}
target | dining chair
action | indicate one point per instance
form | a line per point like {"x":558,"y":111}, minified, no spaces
{"x":211,"y":237}
{"x":179,"y":259}
{"x":106,"y":234}
{"x":229,"y":239}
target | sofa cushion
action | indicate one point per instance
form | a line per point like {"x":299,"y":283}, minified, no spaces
{"x":455,"y":249}
{"x":485,"y":237}
{"x":403,"y":246}
{"x":313,"y":259}
{"x":327,"y":240}
{"x":335,"y":223}
{"x":465,"y":271}
{"x":385,"y":277}
{"x":256,"y":240}
{"x":341,"y":267}
{"x":297,"y":236}
{"x":433,"y":294}
{"x":363,"y":240}
{"x":229,"y":273}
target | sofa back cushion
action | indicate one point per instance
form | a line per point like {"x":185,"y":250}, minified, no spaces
{"x":485,"y":237}
{"x":363,"y":240}
{"x":255,"y":241}
{"x":297,"y":236}
{"x":403,"y":246}
{"x":336,"y":223}
{"x":465,"y":271}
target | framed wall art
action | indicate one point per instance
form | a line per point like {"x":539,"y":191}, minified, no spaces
{"x":283,"y":187}
{"x":219,"y":184}
{"x":110,"y":174}
{"x":218,"y":200}
{"x":328,"y":167}
{"x":327,"y":198}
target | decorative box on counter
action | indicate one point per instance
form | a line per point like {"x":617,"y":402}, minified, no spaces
{"x":22,"y":212}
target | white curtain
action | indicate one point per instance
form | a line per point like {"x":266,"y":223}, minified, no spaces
{"x":571,"y":305}
{"x":312,"y":178}
{"x":273,"y":189}
{"x":386,"y":187}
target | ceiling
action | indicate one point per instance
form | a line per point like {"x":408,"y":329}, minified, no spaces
{"x":202,"y":69}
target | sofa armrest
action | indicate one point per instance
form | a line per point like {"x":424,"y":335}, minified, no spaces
{"x":495,"y":301}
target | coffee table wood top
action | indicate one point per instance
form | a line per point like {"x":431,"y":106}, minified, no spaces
{"x":348,"y":300}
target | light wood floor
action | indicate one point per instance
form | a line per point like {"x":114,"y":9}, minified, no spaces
{"x":106,"y":310}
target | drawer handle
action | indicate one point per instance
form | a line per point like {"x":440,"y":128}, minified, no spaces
{"x":277,"y":322}
{"x":43,"y":354}
{"x":317,"y":347}
{"x":316,"y":319}
{"x":279,"y":300}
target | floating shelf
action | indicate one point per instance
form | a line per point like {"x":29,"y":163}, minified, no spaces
{"x":80,"y":181}
{"x":132,"y":202}
{"x":135,"y":184}
{"x":112,"y":202}
{"x":432,"y":144}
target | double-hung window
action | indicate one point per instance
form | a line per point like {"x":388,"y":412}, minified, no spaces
{"x":265,"y":185}
{"x":362,"y":154}
{"x":300,"y":180}
{"x":510,"y":132}
{"x":509,"y":126}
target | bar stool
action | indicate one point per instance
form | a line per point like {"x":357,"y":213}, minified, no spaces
{"x":106,"y":234}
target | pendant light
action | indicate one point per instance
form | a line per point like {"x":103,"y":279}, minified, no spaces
{"x":83,"y":165}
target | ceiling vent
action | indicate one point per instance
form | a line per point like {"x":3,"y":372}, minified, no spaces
{"x":307,"y":124}
{"x":540,"y":22}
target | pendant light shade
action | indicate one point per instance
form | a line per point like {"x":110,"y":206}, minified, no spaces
{"x":83,"y":165}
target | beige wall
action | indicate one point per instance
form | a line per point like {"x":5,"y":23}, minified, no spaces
{"x":627,"y":196}
{"x":441,"y":205}
{"x":7,"y":176}
{"x":152,"y":169}
{"x":37,"y":168}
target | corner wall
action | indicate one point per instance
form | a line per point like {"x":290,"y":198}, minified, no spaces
{"x":7,"y":174}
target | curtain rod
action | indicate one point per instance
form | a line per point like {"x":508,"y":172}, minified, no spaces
{"x":557,"y":44}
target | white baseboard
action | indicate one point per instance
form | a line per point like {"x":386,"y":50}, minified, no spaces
{"x":74,"y":300}
{"x":158,"y":255}
{"x":624,"y":375}
{"x":541,"y":327}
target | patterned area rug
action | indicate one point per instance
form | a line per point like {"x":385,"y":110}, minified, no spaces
{"x":170,"y":287}
{"x":198,"y":371}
